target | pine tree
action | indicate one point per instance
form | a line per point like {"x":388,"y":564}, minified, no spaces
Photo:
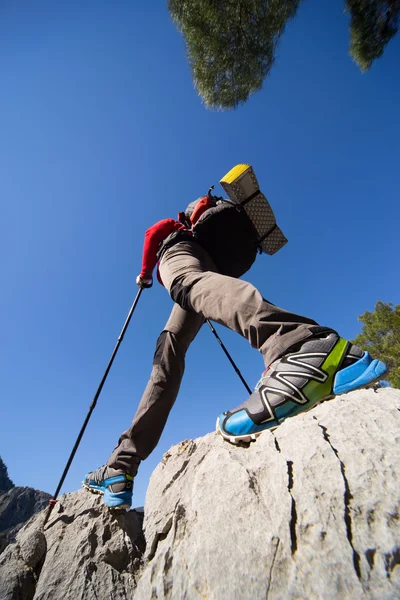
{"x":5,"y":482}
{"x":373,"y":24}
{"x":230,"y":44}
{"x":380,"y":335}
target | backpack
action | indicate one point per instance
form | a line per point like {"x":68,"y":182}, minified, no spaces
{"x":228,"y":235}
{"x":232,"y":231}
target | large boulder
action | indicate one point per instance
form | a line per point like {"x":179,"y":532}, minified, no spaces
{"x":17,"y":505}
{"x":85,"y":552}
{"x":310,"y":511}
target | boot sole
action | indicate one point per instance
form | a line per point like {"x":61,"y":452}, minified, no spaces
{"x":252,"y":437}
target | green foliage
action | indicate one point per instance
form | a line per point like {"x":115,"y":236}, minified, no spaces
{"x":380,"y":335}
{"x":230,"y":44}
{"x":373,"y":24}
{"x":5,"y":482}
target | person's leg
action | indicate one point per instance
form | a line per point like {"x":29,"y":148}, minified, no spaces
{"x":306,"y":363}
{"x":192,"y":280}
{"x":115,"y":479}
{"x":141,"y":438}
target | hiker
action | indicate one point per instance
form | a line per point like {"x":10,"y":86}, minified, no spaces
{"x":305,"y":362}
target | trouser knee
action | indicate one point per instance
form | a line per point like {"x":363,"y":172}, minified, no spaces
{"x":169,"y":358}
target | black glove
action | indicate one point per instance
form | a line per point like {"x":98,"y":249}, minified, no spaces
{"x":144,"y":282}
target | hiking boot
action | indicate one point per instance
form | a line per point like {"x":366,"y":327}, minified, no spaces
{"x":311,"y":372}
{"x":116,"y":486}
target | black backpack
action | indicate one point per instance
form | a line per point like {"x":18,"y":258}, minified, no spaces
{"x":228,"y":235}
{"x":232,"y":231}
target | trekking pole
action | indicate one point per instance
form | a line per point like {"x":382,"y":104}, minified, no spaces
{"x":229,"y":356}
{"x":53,"y":500}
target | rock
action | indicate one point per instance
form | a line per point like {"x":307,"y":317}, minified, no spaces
{"x":92,"y":553}
{"x":310,"y":511}
{"x":33,"y":548}
{"x":17,"y":580}
{"x":17,"y":505}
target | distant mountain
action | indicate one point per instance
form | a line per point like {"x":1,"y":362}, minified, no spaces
{"x":5,"y":482}
{"x":17,"y":505}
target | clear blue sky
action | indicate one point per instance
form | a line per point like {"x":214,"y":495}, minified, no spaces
{"x":102,"y":134}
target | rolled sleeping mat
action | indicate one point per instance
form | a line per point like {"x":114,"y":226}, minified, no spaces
{"x":242,"y":187}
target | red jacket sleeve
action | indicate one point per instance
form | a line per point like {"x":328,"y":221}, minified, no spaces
{"x":152,"y":239}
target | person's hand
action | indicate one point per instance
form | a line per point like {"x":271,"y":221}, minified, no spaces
{"x":144,"y":282}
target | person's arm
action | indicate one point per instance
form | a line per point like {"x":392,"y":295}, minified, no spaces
{"x":152,"y":239}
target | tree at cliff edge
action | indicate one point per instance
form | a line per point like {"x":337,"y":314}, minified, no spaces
{"x":380,"y":335}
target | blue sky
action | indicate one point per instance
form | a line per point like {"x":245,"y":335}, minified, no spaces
{"x":102,"y":134}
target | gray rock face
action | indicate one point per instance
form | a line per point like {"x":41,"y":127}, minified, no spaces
{"x":17,"y":505}
{"x":84,"y":553}
{"x":308,"y":512}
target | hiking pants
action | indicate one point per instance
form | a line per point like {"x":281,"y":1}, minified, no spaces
{"x":200,"y":293}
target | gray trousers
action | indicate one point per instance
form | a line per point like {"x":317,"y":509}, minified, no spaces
{"x":200,"y":293}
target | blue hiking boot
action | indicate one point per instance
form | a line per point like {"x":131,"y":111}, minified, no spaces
{"x":116,"y":486}
{"x":316,"y":370}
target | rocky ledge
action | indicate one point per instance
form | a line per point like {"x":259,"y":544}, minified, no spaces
{"x":310,"y":511}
